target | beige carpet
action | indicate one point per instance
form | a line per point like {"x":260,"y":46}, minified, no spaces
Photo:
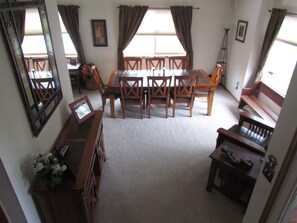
{"x":157,"y":169}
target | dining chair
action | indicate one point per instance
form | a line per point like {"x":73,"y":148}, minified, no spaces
{"x":158,"y":92}
{"x":132,"y":63}
{"x":41,"y":64}
{"x":104,"y":90}
{"x":215,"y":80}
{"x":178,"y":62}
{"x":157,"y":63}
{"x":44,"y":88}
{"x":183,"y":91}
{"x":131,"y":93}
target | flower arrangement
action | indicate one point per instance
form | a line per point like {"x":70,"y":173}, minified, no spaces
{"x":87,"y":71}
{"x":49,"y":167}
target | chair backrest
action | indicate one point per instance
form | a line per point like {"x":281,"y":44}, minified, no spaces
{"x":44,"y":87}
{"x":155,"y":62}
{"x":158,"y":87}
{"x":178,"y":62}
{"x":131,"y":87}
{"x":132,"y":63}
{"x":217,"y":74}
{"x":184,"y":85}
{"x":41,"y":64}
{"x":98,"y":80}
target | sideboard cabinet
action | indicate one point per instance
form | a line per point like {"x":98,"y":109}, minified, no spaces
{"x":75,"y":199}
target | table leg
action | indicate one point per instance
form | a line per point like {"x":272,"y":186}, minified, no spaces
{"x":210,"y":101}
{"x":78,"y":81}
{"x":111,"y":101}
{"x":212,"y":175}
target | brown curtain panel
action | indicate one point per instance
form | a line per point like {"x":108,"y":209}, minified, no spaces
{"x":182,"y":18}
{"x":274,"y":25}
{"x":19,"y":18}
{"x":70,"y":17}
{"x":129,"y":22}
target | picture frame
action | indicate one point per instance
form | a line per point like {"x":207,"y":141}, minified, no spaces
{"x":99,"y":32}
{"x":82,"y":109}
{"x":241,"y":30}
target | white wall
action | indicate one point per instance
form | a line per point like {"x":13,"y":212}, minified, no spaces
{"x":17,"y":144}
{"x":207,"y":29}
{"x":280,"y":142}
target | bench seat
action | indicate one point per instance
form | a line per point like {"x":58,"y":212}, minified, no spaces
{"x":249,"y":96}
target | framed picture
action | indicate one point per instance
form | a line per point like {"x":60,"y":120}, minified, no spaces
{"x":241,"y":30}
{"x":82,"y":109}
{"x":99,"y":32}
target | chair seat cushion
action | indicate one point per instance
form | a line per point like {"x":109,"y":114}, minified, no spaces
{"x":252,"y":136}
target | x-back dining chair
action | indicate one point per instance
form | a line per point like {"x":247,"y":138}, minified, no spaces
{"x":131,"y":93}
{"x":158,"y":92}
{"x":215,"y":79}
{"x":154,"y":62}
{"x":178,"y":62}
{"x":40,"y":64}
{"x":183,"y":91}
{"x":104,"y":90}
{"x":132,"y":63}
{"x":44,"y":87}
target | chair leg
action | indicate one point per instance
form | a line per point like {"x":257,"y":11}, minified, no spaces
{"x":123,"y":108}
{"x":173,"y":111}
{"x":141,"y":109}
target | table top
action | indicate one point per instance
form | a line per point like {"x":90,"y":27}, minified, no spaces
{"x":203,"y":78}
{"x":239,"y":152}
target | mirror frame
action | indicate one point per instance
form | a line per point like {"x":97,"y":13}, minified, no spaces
{"x":38,"y":113}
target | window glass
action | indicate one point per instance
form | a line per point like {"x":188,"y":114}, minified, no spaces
{"x":282,"y":57}
{"x":156,"y":36}
{"x":33,"y":43}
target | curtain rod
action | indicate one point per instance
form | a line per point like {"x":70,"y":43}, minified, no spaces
{"x":165,"y":8}
{"x":288,"y":13}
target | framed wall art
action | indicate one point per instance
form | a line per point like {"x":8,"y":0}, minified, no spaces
{"x":82,"y":109}
{"x":241,"y":30}
{"x":99,"y":32}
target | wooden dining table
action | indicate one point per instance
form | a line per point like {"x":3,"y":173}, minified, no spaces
{"x":204,"y":82}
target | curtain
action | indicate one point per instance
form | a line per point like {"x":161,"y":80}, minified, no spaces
{"x":129,"y":22}
{"x":182,"y":18}
{"x":19,"y":18}
{"x":70,"y":17}
{"x":274,"y":25}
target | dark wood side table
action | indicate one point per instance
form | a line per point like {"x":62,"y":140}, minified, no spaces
{"x":74,"y":74}
{"x":235,"y":182}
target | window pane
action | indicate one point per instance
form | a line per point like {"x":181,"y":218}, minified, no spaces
{"x":68,"y":45}
{"x":157,"y":21}
{"x":141,"y":46}
{"x":279,"y":66}
{"x":34,"y":45}
{"x":168,"y":45}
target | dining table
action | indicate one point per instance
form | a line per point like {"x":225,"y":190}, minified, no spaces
{"x":204,"y":82}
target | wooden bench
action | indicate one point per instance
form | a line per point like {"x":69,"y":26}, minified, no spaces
{"x":250,"y":96}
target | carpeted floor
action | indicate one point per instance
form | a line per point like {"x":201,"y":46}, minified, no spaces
{"x":157,"y":169}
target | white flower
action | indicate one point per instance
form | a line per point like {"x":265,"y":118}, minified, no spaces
{"x":38,"y":167}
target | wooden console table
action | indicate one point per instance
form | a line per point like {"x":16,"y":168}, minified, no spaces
{"x":235,"y":182}
{"x":75,"y":199}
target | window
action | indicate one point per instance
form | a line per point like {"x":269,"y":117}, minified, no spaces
{"x":282,"y":57}
{"x":33,"y":43}
{"x":156,"y":36}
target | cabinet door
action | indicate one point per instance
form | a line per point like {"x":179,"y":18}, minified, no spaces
{"x":92,"y":193}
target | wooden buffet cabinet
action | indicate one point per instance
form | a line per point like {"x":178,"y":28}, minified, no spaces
{"x":75,"y":199}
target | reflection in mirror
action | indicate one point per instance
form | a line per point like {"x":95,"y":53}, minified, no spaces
{"x":25,"y":26}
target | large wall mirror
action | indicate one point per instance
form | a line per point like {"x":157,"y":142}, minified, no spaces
{"x":25,"y":26}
